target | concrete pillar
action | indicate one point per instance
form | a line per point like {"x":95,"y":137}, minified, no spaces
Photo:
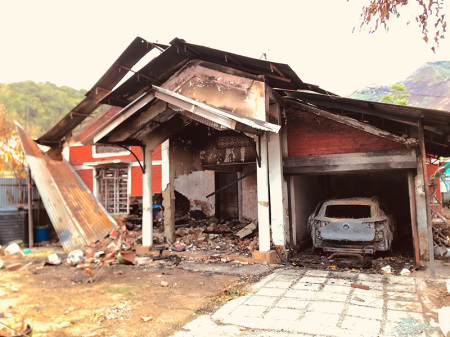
{"x":421,"y":209}
{"x":168,"y":191}
{"x":277,"y":193}
{"x":239,"y":175}
{"x":262,"y":180}
{"x":147,"y":203}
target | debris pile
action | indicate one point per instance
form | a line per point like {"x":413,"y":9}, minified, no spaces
{"x":216,"y":237}
{"x":441,"y":238}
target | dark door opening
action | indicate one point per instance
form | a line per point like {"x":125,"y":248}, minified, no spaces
{"x":227,"y":199}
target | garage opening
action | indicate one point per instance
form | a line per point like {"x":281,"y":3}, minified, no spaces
{"x":391,"y":188}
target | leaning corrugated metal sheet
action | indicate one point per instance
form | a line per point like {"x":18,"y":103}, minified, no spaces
{"x":76,"y":215}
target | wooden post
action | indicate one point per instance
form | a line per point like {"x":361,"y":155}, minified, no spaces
{"x":30,"y":212}
{"x":412,"y":207}
{"x":431,"y":266}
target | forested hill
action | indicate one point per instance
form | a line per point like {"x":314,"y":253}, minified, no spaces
{"x":429,"y":87}
{"x":38,"y":106}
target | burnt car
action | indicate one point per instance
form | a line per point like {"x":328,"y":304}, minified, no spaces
{"x":352,"y":226}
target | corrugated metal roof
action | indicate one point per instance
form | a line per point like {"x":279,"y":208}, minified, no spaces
{"x":78,"y":218}
{"x":161,"y":68}
{"x":135,"y":51}
{"x":436,"y":122}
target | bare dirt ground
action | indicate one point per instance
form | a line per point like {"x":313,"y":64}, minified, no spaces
{"x":109,"y":300}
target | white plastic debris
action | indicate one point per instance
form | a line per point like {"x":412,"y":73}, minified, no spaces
{"x":75,"y":257}
{"x":444,"y":320}
{"x":405,"y":272}
{"x":440,"y":251}
{"x":387,"y":269}
{"x":54,"y":259}
{"x":13,"y":248}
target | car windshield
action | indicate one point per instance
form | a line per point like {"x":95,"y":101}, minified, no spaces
{"x":348,"y":211}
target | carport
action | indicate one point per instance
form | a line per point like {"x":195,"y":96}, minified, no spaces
{"x":339,"y":147}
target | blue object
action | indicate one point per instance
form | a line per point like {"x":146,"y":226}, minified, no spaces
{"x":41,"y":234}
{"x":26,"y":251}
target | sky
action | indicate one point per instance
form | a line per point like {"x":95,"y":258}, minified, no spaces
{"x":74,"y":42}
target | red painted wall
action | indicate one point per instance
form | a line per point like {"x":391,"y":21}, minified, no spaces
{"x":308,"y":134}
{"x":83,"y":154}
{"x":87,"y":176}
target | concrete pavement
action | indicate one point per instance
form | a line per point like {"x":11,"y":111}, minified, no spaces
{"x":300,"y":302}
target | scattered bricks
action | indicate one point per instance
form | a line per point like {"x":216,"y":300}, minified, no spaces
{"x":13,"y":266}
{"x":84,"y":265}
{"x":359,"y":286}
{"x":114,"y":232}
{"x":164,"y":284}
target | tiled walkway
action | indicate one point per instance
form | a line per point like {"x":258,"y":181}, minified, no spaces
{"x":321,"y":303}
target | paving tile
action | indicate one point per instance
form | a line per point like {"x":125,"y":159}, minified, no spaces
{"x":401,"y":296}
{"x":249,"y":311}
{"x":372,"y":285}
{"x":405,"y":280}
{"x":278,"y":284}
{"x":266,"y":301}
{"x":300,"y":294}
{"x":335,"y":297}
{"x":361,"y":324}
{"x":318,"y":323}
{"x":365,"y":312}
{"x":307,"y":286}
{"x":404,"y":306}
{"x":270,"y":292}
{"x":312,"y":279}
{"x":337,"y":289}
{"x":401,"y":288}
{"x":283,"y":314}
{"x":327,"y":307}
{"x":261,"y":283}
{"x":291,"y":303}
{"x":367,"y":301}
{"x":340,"y":282}
{"x":320,"y":273}
{"x":372,"y":278}
{"x":395,"y":315}
{"x":287,"y":278}
{"x":368,"y":293}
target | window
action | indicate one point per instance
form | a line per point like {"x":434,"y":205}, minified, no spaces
{"x":112,"y":185}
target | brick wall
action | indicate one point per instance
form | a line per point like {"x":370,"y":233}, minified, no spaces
{"x":308,"y":134}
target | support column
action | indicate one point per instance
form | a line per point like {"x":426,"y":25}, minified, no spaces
{"x":147,"y":203}
{"x":168,"y":191}
{"x":421,"y":210}
{"x":412,"y":207}
{"x":30,"y":211}
{"x":431,"y":266}
{"x":277,"y":213}
{"x":239,"y":175}
{"x":263,"y":197}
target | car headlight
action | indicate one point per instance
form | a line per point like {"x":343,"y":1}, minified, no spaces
{"x":380,"y":224}
{"x":368,"y":224}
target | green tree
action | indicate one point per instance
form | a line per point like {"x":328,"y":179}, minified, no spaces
{"x":397,"y":95}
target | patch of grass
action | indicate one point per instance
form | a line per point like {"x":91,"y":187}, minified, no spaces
{"x":124,"y":291}
{"x":145,"y":285}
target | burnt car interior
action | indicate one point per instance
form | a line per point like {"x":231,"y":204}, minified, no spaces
{"x":391,"y":188}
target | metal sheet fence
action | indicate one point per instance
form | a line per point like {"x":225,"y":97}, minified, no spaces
{"x":10,"y":192}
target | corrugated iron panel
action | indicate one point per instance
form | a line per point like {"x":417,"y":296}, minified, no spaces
{"x":161,"y":68}
{"x":76,"y":215}
{"x":135,"y":51}
{"x":9,"y":187}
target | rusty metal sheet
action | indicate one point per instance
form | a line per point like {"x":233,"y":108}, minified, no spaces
{"x":135,"y":51}
{"x":78,"y":218}
{"x":161,"y":68}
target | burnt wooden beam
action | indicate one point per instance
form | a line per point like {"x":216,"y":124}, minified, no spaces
{"x":352,"y":162}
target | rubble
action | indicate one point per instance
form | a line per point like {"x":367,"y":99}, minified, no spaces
{"x":441,"y":239}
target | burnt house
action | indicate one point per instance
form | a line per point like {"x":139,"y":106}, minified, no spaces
{"x":268,"y":144}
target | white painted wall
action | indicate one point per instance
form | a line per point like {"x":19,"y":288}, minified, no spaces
{"x":196,"y":186}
